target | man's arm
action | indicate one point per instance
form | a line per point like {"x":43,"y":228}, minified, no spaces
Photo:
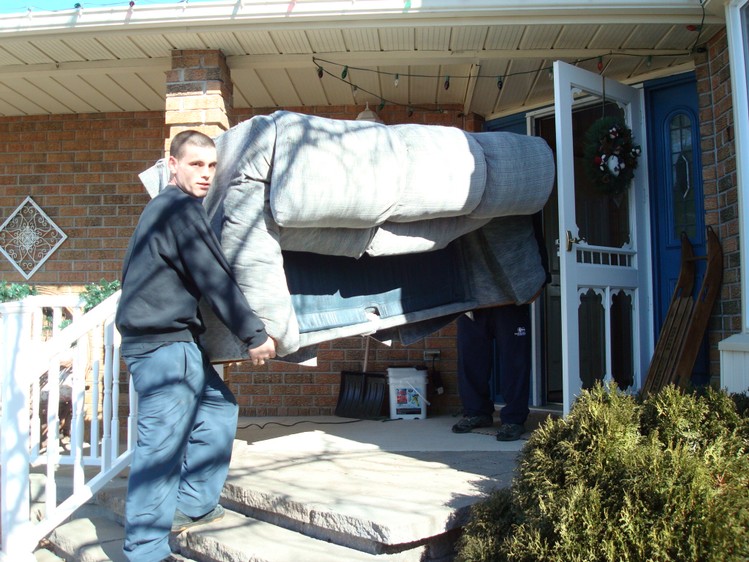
{"x":212,"y":275}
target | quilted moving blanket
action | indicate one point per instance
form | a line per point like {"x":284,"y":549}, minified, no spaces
{"x":337,"y":228}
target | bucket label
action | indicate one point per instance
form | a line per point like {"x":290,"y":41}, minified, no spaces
{"x":407,"y":401}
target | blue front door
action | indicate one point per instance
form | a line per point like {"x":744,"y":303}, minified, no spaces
{"x":677,"y":203}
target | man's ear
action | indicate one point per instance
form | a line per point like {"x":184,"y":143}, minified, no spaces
{"x":171,"y":164}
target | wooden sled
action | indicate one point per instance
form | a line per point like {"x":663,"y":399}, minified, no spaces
{"x":687,"y":319}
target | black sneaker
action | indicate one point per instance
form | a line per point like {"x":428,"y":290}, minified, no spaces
{"x":182,"y":521}
{"x":469,"y":423}
{"x":510,"y":431}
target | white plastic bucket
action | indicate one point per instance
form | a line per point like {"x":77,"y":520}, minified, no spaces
{"x":408,"y":391}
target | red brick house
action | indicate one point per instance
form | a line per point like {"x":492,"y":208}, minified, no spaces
{"x":89,"y":98}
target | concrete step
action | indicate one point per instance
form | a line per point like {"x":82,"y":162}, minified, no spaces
{"x":89,"y":539}
{"x":234,"y":538}
{"x":316,"y":496}
{"x":362,"y":504}
{"x":237,"y":537}
{"x":362,"y":498}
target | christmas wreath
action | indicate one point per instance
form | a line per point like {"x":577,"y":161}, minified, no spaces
{"x":610,"y":154}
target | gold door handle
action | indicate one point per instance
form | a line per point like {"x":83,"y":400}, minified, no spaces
{"x":571,"y":240}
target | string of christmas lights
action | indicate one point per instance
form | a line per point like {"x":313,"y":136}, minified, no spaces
{"x":345,"y":74}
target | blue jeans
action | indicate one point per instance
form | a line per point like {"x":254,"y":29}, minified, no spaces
{"x":187,"y":420}
{"x":510,"y":328}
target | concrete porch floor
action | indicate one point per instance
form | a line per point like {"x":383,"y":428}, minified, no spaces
{"x":315,"y":443}
{"x":432,"y":434}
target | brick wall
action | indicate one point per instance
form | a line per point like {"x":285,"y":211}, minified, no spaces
{"x":82,"y":170}
{"x":719,"y":185}
{"x":283,"y":389}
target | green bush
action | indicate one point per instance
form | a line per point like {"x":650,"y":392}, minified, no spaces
{"x":95,"y":293}
{"x":622,"y":480}
{"x":15,"y":291}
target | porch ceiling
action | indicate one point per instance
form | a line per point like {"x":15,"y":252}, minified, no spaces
{"x":114,"y":59}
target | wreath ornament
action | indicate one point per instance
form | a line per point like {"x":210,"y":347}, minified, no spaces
{"x":611,"y":155}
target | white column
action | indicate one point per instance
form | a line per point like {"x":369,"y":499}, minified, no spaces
{"x":734,"y":350}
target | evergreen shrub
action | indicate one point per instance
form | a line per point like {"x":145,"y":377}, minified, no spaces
{"x":625,"y":480}
{"x":95,"y":293}
{"x":15,"y":291}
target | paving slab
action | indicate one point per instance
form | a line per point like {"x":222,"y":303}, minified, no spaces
{"x":90,"y":539}
{"x":373,"y":485}
{"x":240,"y":539}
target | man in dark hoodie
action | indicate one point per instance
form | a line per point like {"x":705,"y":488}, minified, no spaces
{"x":187,"y":416}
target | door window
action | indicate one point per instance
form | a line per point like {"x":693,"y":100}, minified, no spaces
{"x":602,"y":220}
{"x":683,"y":205}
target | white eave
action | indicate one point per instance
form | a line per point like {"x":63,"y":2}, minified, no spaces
{"x":352,"y":12}
{"x":113,"y":58}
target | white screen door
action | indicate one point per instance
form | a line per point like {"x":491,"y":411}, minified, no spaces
{"x":604,"y":245}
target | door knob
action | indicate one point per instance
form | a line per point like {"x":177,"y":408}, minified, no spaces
{"x":572,"y":240}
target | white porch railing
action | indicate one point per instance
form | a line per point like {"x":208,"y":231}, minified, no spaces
{"x":78,"y":367}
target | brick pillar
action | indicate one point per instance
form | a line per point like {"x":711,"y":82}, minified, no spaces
{"x":199,"y":93}
{"x":474,"y":123}
{"x":720,"y":191}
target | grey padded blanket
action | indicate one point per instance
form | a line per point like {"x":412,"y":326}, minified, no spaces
{"x":290,"y":183}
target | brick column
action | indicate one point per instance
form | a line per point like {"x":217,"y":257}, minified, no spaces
{"x":473,"y":123}
{"x":199,"y":93}
{"x":720,"y":189}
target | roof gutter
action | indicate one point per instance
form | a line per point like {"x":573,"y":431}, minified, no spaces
{"x":187,"y":15}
